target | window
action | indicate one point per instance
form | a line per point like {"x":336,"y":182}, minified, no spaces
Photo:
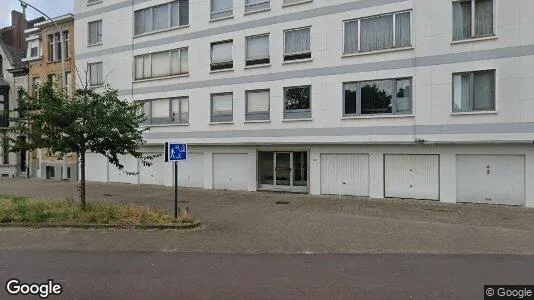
{"x":221,"y":107}
{"x":257,"y":105}
{"x":161,"y":64}
{"x":221,"y":55}
{"x":33,"y":49}
{"x":472,"y":19}
{"x":256,"y":5}
{"x":95,"y":32}
{"x":378,"y":33}
{"x":297,"y":44}
{"x":96,"y":76}
{"x":474,"y":91}
{"x":51,"y":51}
{"x":289,"y":2}
{"x":297,"y":104}
{"x":257,"y":50}
{"x":93,"y":1}
{"x":5,"y":150}
{"x":389,"y":96}
{"x":68,"y":82}
{"x":166,"y":111}
{"x":221,"y":9}
{"x":66,"y":42}
{"x":161,"y":17}
{"x":52,"y":78}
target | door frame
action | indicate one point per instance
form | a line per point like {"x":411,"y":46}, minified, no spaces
{"x":285,"y":188}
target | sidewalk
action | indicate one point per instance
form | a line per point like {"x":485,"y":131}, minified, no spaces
{"x":243,"y":222}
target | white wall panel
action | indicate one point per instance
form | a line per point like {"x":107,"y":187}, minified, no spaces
{"x":130,"y":165}
{"x":412,"y":176}
{"x":191,"y":171}
{"x":230,"y":171}
{"x":345,"y":174}
{"x":155,"y":173}
{"x":96,"y":167}
{"x":492,"y":179}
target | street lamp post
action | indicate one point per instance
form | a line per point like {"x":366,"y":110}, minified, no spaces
{"x":63,"y":75}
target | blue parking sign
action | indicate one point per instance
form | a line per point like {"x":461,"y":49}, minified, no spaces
{"x":176,"y":152}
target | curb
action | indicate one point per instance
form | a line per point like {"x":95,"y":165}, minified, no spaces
{"x":102,"y":226}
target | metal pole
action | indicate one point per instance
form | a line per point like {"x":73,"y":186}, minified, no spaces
{"x":63,"y":75}
{"x":175,"y":189}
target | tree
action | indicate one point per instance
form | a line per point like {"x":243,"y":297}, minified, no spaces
{"x":89,"y":121}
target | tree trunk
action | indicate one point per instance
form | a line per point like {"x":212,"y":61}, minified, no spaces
{"x":82,"y":179}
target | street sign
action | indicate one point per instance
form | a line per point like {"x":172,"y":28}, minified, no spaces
{"x":175,"y":152}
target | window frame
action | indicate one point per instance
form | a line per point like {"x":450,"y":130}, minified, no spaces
{"x":169,"y":17}
{"x":473,"y":35}
{"x":221,"y":118}
{"x":262,"y":6}
{"x":394,"y":16}
{"x":98,"y":40}
{"x":225,"y":65}
{"x":258,"y":61}
{"x":225,"y":14}
{"x":358,"y":103}
{"x":101,"y":71}
{"x":258,"y":116}
{"x":297,"y":113}
{"x":472,"y":92}
{"x":170,"y":64}
{"x":172,"y":119}
{"x":300,"y":55}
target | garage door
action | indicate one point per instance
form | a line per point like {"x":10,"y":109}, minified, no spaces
{"x":96,"y":167}
{"x":493,"y":179}
{"x":155,"y":173}
{"x":230,"y":171}
{"x":345,"y":174}
{"x":130,"y":165}
{"x":191,"y":171}
{"x":411,"y":176}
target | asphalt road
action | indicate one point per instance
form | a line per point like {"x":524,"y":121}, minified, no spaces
{"x":157,"y":275}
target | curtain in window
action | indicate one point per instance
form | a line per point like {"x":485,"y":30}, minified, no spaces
{"x":258,"y":47}
{"x":147,"y":20}
{"x":95,"y":74}
{"x":461,"y":19}
{"x":221,"y":105}
{"x":184,"y":61}
{"x":175,"y":62}
{"x":461,"y":92}
{"x":351,"y":37}
{"x":257,"y":101}
{"x":93,"y":33}
{"x":161,"y":17}
{"x":184,"y":12}
{"x":221,"y":52}
{"x":220,"y":5}
{"x":160,"y":108}
{"x":403,"y":96}
{"x":99,"y":31}
{"x":483,"y":90}
{"x":483,"y":17}
{"x":297,"y":41}
{"x":175,"y":13}
{"x":139,"y":67}
{"x":402,"y":30}
{"x":160,"y":64}
{"x":376,"y":33}
{"x":147,"y":69}
{"x":180,"y":109}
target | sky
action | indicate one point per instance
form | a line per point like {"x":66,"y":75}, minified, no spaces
{"x":53,"y":8}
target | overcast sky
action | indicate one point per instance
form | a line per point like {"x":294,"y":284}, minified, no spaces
{"x":53,"y":8}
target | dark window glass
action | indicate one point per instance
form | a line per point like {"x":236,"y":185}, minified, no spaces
{"x":376,"y":97}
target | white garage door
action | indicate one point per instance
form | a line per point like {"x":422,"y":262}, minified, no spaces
{"x":230,"y":171}
{"x":493,"y":179}
{"x":411,"y":176}
{"x":96,"y":167}
{"x":130,"y":165}
{"x":345,"y":174}
{"x":191,"y":171}
{"x":155,"y":173}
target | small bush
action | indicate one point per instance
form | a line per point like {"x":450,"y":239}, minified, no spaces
{"x":18,"y":209}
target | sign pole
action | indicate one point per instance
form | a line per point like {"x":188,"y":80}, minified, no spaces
{"x":175,"y":189}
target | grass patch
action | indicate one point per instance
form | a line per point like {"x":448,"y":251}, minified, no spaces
{"x":23,"y":210}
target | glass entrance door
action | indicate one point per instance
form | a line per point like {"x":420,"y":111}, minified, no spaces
{"x":282,"y":169}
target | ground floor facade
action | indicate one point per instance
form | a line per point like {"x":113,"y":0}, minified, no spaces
{"x":491,"y":173}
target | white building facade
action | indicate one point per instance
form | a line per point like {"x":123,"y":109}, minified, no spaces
{"x":384,"y":98}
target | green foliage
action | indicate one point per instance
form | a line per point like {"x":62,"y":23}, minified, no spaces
{"x":96,"y":121}
{"x":17,"y":209}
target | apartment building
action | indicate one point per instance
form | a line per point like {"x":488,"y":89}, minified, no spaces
{"x":376,"y":98}
{"x":43,"y":57}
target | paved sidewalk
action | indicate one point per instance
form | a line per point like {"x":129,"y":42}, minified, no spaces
{"x":243,"y":222}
